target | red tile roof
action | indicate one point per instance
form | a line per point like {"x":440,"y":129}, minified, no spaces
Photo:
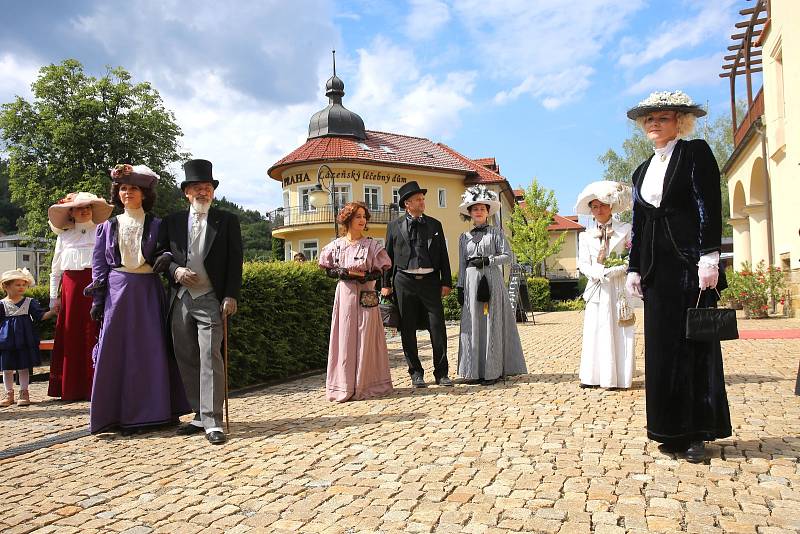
{"x":489,"y":163}
{"x":485,"y":176}
{"x":565,"y":223}
{"x":400,"y":149}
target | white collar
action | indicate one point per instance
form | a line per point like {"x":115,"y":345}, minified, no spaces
{"x":667,"y":149}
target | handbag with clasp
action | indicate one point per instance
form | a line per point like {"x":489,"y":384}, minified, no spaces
{"x":710,"y":324}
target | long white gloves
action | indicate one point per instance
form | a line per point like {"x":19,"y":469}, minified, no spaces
{"x":633,"y":284}
{"x":613,"y":272}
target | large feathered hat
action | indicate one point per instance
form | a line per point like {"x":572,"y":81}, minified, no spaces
{"x":139,"y":175}
{"x":615,"y":194}
{"x":59,"y":216}
{"x":478,"y":194}
{"x":666,"y":101}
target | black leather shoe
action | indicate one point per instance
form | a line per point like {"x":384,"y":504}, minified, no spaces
{"x":444,"y":381}
{"x":127,"y":431}
{"x":418,"y":382}
{"x":490,"y":382}
{"x":696,"y":453}
{"x":188,"y":429}
{"x":674,"y":447}
{"x":216,"y":437}
{"x":589,"y":386}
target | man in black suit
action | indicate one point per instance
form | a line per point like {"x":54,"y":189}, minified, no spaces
{"x":420,"y":277}
{"x":203,"y":261}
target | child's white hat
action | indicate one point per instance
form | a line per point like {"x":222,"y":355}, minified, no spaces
{"x":17,"y":274}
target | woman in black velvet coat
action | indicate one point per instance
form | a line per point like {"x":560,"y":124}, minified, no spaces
{"x":677,"y":227}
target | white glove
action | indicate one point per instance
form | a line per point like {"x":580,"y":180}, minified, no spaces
{"x":595,"y":272}
{"x":186,"y":277}
{"x":707,"y":275}
{"x":633,"y":284}
{"x":228,"y":307}
{"x":614,"y":272}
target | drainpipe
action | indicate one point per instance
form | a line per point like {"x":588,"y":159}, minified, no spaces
{"x":762,"y":132}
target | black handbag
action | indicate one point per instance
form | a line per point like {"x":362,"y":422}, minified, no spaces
{"x":390,"y":313}
{"x":710,"y":324}
{"x":483,"y":294}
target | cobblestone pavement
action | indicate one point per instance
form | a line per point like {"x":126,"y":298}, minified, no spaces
{"x":537,"y":454}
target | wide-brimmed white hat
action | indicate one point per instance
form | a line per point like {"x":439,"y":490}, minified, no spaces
{"x":17,"y":274}
{"x":666,"y":101}
{"x":478,"y":194}
{"x":59,"y":216}
{"x":615,"y":194}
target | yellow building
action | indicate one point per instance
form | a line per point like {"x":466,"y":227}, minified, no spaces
{"x":763,"y":170}
{"x":359,"y":164}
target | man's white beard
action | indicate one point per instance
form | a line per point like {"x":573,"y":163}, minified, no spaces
{"x":200,"y":207}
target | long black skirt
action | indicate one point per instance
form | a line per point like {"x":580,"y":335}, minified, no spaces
{"x":684,"y":381}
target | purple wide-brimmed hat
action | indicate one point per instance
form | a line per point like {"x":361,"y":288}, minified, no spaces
{"x":139,"y":175}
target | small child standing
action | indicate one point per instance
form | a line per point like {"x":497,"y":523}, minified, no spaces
{"x":19,"y":341}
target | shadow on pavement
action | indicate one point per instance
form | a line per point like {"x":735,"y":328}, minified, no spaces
{"x":752,"y":379}
{"x":244,"y":429}
{"x":770,"y":448}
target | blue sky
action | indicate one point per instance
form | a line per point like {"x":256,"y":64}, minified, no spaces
{"x":541,"y":85}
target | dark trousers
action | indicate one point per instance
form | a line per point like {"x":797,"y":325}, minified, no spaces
{"x":420,"y":301}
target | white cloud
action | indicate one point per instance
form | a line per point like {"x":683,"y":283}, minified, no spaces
{"x":679,"y":74}
{"x":16,"y":76}
{"x":714,"y":18}
{"x":426,"y":18}
{"x":544,"y":48}
{"x":392,"y":95}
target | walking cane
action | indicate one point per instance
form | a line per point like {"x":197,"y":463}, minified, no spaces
{"x":225,"y":362}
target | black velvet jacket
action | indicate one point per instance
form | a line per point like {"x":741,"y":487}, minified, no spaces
{"x":689,"y":218}
{"x":223,"y":260}
{"x":399,"y":249}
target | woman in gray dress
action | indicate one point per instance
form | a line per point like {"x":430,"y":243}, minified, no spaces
{"x":489,"y":346}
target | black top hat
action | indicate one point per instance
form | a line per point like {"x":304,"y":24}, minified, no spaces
{"x":198,"y":170}
{"x":408,"y":189}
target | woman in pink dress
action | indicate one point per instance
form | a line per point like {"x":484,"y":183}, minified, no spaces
{"x":358,"y":361}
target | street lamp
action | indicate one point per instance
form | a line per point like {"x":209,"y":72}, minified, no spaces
{"x":318,"y":197}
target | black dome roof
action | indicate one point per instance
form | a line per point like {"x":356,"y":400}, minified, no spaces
{"x":336,"y":120}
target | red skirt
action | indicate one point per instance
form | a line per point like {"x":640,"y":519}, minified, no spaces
{"x":71,"y":368}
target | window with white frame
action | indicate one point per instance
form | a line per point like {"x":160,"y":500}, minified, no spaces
{"x":396,"y":197}
{"x":310,"y":249}
{"x":372,"y":196}
{"x":286,"y":208}
{"x":342,"y":195}
{"x":305,"y":200}
{"x":442,"y":198}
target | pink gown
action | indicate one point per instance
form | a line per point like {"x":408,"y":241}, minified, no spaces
{"x":358,"y":361}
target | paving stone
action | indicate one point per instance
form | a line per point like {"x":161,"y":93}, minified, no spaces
{"x":536,"y":454}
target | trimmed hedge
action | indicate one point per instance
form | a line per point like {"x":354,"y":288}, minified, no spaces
{"x":539,"y":293}
{"x":283,"y":323}
{"x":452,"y":310}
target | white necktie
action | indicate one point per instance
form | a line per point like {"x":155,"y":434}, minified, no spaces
{"x":196,"y":221}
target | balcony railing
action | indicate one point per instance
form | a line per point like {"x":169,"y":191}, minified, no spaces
{"x":283,"y":217}
{"x":755,"y":111}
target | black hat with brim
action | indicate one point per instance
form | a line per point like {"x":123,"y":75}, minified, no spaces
{"x":408,"y":189}
{"x":640,"y":111}
{"x":198,"y":171}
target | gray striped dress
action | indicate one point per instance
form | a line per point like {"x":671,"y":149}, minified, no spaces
{"x":489,"y":345}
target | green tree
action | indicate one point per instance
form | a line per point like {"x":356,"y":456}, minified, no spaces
{"x":635,"y":149}
{"x":256,"y":231}
{"x":530,"y":239}
{"x":9,"y":213}
{"x":75,"y":129}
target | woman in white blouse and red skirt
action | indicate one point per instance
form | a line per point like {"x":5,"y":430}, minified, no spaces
{"x":677,"y":228}
{"x":74,"y":219}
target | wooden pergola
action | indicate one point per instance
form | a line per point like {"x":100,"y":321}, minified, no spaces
{"x":746,"y":60}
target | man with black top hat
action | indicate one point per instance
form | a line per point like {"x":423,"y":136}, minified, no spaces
{"x":420,"y":277}
{"x":203,"y":261}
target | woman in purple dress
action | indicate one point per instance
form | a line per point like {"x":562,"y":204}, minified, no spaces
{"x":136,"y":381}
{"x":358,"y":361}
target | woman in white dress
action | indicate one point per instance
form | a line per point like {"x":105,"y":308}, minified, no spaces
{"x":608,"y":358}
